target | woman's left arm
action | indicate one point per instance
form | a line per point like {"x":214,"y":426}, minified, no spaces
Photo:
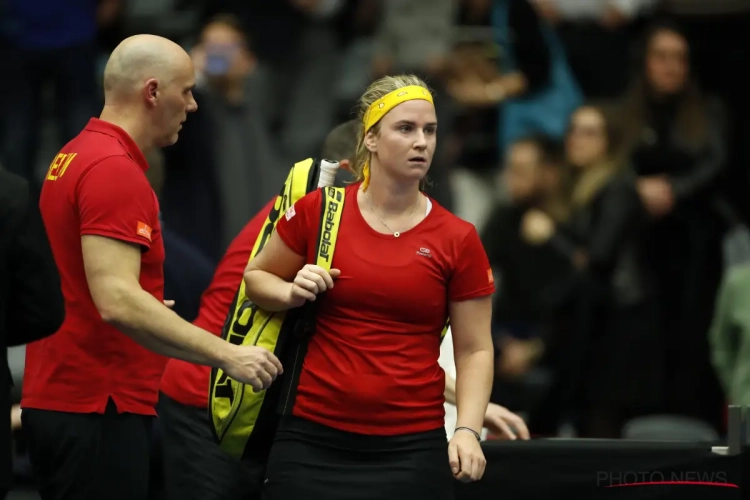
{"x":474,"y":353}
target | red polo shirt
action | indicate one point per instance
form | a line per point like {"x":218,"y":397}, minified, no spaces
{"x":185,"y":382}
{"x":96,"y":185}
{"x":372,"y":364}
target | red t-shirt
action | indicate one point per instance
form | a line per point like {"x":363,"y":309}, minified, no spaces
{"x":372,"y":364}
{"x":185,"y":382}
{"x":96,"y":185}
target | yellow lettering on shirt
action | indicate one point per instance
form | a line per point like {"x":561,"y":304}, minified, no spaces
{"x":59,"y":165}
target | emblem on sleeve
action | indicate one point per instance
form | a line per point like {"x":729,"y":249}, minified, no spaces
{"x":290,"y":213}
{"x":143,"y":230}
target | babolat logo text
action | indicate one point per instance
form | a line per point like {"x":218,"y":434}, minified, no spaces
{"x":334,"y":204}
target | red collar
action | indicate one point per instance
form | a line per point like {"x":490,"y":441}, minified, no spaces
{"x":127,"y":142}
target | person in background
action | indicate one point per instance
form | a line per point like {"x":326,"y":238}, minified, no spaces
{"x":597,"y":36}
{"x":31,"y":302}
{"x":227,"y":164}
{"x":184,"y":288}
{"x":49,"y":43}
{"x":528,"y":306}
{"x":194,"y":464}
{"x":87,"y":413}
{"x":730,"y":335}
{"x":616,"y":320}
{"x":674,"y":139}
{"x":498,"y":420}
{"x":535,"y":91}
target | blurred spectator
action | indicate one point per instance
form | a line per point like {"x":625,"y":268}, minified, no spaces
{"x":674,"y":139}
{"x":536,"y":89}
{"x":225,"y":167}
{"x":596,"y":35}
{"x":617,"y":319}
{"x":187,"y":272}
{"x":529,"y":280}
{"x":730,"y":335}
{"x":49,"y":43}
{"x":299,"y":43}
{"x":31,"y":302}
{"x":719,"y":35}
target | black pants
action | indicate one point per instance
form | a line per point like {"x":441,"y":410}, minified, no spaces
{"x":89,"y":456}
{"x":309,"y":460}
{"x":194,"y":465}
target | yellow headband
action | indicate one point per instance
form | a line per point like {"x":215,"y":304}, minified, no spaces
{"x":379,"y":108}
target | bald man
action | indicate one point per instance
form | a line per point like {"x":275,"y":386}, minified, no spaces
{"x":90,"y":389}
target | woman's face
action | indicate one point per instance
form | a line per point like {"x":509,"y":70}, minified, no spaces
{"x":667,"y":65}
{"x":406,"y":140}
{"x":586,"y":142}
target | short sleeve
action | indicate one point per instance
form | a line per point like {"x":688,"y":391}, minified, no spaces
{"x":115,"y":199}
{"x":472,"y":275}
{"x":298,"y":225}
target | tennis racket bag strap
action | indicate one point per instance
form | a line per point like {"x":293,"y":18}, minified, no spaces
{"x":243,"y":420}
{"x":332,"y":207}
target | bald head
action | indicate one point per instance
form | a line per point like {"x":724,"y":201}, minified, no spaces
{"x":138,"y":59}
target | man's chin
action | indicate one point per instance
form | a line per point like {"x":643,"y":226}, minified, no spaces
{"x":169,"y":141}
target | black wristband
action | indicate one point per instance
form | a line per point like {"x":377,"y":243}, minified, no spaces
{"x":468,"y":429}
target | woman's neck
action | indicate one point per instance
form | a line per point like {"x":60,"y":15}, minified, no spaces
{"x":392,"y":198}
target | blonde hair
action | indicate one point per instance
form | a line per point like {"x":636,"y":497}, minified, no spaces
{"x":375,"y":91}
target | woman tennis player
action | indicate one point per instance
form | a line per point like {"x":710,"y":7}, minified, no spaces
{"x":367,"y":420}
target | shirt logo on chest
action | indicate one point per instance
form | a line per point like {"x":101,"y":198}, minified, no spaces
{"x":424,"y":252}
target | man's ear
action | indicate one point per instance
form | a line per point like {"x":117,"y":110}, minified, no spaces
{"x":345,"y":165}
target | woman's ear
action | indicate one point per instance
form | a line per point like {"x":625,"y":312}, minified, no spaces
{"x":371,"y":142}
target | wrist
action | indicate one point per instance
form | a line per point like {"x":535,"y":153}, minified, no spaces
{"x":468,"y":430}
{"x":222,"y":355}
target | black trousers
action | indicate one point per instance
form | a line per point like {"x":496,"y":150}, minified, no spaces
{"x":89,"y":456}
{"x":194,"y":465}
{"x":309,"y":460}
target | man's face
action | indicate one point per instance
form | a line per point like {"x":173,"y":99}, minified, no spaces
{"x":175,"y":102}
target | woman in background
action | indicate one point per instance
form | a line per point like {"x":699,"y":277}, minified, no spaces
{"x":616,"y":313}
{"x":674,"y":141}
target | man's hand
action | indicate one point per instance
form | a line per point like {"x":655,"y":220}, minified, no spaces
{"x":505,"y":424}
{"x":252,"y":365}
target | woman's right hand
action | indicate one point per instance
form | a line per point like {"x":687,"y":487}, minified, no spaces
{"x":310,"y":281}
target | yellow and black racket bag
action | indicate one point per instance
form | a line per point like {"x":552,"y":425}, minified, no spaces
{"x":245,"y":421}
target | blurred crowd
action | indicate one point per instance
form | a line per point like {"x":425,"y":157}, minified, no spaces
{"x":598,"y":146}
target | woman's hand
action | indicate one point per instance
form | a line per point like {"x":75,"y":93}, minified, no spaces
{"x":537,"y":227}
{"x":310,"y":281}
{"x":466,"y":457}
{"x":505,"y":424}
